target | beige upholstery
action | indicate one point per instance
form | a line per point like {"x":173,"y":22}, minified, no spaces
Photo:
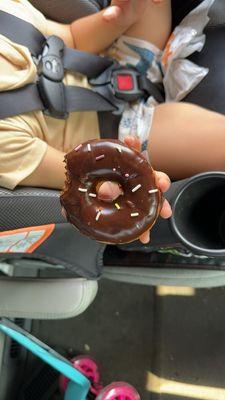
{"x":45,"y":298}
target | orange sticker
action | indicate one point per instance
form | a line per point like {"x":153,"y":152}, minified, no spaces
{"x":168,"y":50}
{"x":24,"y":240}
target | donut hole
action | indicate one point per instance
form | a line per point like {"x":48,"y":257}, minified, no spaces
{"x":108,"y":191}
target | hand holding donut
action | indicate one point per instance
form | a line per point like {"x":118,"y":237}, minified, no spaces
{"x":111,"y":189}
{"x":118,"y":215}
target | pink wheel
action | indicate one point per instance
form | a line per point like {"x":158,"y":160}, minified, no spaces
{"x":89,"y":368}
{"x":118,"y":391}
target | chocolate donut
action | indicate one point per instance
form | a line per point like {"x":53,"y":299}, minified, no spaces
{"x":119,"y":221}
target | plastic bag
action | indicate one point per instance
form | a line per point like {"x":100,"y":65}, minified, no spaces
{"x":181,"y":75}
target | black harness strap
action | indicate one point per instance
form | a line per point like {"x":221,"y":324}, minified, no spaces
{"x":82,"y":99}
{"x":28,"y":99}
{"x":21,"y":32}
{"x":20,"y":100}
{"x":112,"y":86}
{"x":152,"y":89}
{"x":50,"y":95}
{"x":87,"y":64}
{"x":24,"y":33}
{"x":108,"y":125}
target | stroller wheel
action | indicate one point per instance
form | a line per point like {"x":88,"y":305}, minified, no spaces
{"x":118,"y":391}
{"x":88,"y":367}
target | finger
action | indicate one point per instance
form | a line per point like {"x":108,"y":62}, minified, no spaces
{"x":133,"y":142}
{"x":109,"y":191}
{"x":166,"y":210}
{"x":162,"y":181}
{"x":111,"y":13}
{"x":145,"y":237}
{"x":63,"y":212}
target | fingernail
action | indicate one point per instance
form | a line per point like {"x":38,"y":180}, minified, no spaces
{"x":164,"y":183}
{"x":145,"y":238}
{"x":111,"y":12}
{"x":166,"y":209}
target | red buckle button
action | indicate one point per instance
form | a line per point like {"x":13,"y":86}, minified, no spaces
{"x":125,"y":82}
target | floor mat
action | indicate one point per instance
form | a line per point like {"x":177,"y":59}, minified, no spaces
{"x":189,"y":359}
{"x":117,"y":330}
{"x":168,"y":342}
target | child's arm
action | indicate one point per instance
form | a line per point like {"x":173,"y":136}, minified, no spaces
{"x":50,"y":173}
{"x":92,"y":33}
{"x":96,"y":32}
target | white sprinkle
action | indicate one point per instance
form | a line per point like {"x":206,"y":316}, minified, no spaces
{"x":134,"y":214}
{"x":119,"y":149}
{"x":89,"y":147}
{"x":78,"y":147}
{"x":92,"y":195}
{"x":82,"y":190}
{"x":153,"y":191}
{"x":114,"y":169}
{"x":127,"y":175}
{"x":98,"y":215}
{"x":100,"y":157}
{"x":136,"y":188}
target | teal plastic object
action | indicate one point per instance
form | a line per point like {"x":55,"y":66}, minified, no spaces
{"x":78,"y":386}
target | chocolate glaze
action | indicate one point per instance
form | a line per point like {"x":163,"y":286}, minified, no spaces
{"x":85,"y":169}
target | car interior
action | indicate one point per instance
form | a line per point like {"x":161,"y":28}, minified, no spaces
{"x":99,"y":287}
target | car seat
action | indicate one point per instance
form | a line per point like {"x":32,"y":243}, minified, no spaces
{"x":64,"y":246}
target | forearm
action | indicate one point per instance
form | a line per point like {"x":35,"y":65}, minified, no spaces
{"x":50,"y":173}
{"x":93,"y":34}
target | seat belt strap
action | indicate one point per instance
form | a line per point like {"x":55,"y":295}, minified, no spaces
{"x":21,"y":32}
{"x":57,"y":104}
{"x":108,"y":125}
{"x":85,"y":63}
{"x":82,"y":99}
{"x":19,"y":101}
{"x":151,"y":88}
{"x":112,"y":85}
{"x":24,"y":33}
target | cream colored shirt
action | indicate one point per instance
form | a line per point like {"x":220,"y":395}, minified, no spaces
{"x":24,"y":138}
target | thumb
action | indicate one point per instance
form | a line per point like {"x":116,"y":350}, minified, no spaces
{"x":145,"y":237}
{"x":133,"y":142}
{"x":109,"y":191}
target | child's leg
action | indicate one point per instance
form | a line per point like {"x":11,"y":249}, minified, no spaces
{"x":186,"y":139}
{"x":155,"y":24}
{"x":141,"y":46}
